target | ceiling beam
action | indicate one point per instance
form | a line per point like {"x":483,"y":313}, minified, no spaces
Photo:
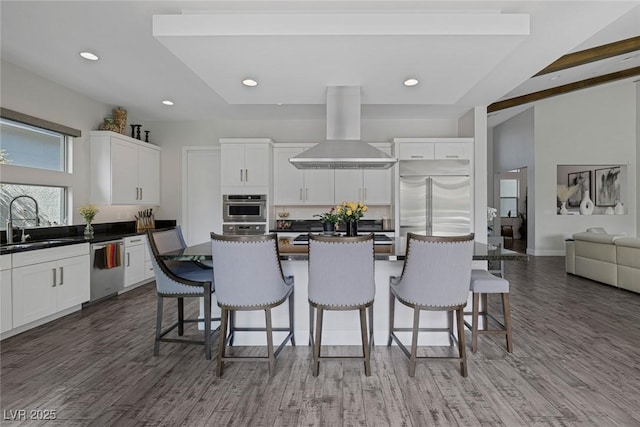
{"x":560,"y":90}
{"x":597,"y":53}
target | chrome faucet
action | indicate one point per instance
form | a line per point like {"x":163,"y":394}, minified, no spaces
{"x":10,"y":228}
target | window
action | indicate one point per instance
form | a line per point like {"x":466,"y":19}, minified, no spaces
{"x":30,"y":146}
{"x":508,"y":198}
{"x":30,"y":142}
{"x":51,"y":205}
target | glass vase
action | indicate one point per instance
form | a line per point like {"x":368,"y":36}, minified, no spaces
{"x":88,"y":231}
{"x":352,"y":228}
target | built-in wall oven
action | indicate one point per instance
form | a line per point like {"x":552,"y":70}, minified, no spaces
{"x":244,"y":208}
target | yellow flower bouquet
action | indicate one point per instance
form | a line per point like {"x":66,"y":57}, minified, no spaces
{"x":350,"y":213}
{"x":88,"y":212}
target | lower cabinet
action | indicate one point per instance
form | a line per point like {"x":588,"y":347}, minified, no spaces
{"x":43,"y":289}
{"x":134,"y":260}
{"x":6,"y":300}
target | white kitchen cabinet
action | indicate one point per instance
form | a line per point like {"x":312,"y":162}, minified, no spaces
{"x":148,"y":266}
{"x":49,"y":280}
{"x":370,"y":186}
{"x":245,"y":165}
{"x":6,"y":300}
{"x":453,"y":151}
{"x":134,"y":260}
{"x":293,"y":186}
{"x":124,"y":171}
{"x":434,"y":148}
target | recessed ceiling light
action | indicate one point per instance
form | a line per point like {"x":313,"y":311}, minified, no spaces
{"x":411,"y":82}
{"x":167,"y":102}
{"x":249,"y":82}
{"x":90,"y":56}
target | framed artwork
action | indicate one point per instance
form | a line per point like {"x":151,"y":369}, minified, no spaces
{"x":607,"y":186}
{"x":583,"y":179}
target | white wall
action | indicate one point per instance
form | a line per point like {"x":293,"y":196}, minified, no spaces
{"x":595,"y":126}
{"x":31,"y":94}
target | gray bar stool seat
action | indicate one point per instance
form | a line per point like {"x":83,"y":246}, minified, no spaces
{"x":341,"y":277}
{"x":249,"y":277}
{"x":482,"y":284}
{"x":179,"y":282}
{"x":435,"y":277}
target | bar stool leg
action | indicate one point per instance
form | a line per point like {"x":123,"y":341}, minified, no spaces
{"x":474,"y":322}
{"x":365,"y":341}
{"x":311,"y":324}
{"x":371,"y":326}
{"x":207,"y":322}
{"x":450,"y":326}
{"x":506,"y":309}
{"x":293,"y":337}
{"x":461,"y":345}
{"x":414,"y":342}
{"x":232,"y":327}
{"x":224,"y":314}
{"x":318,"y":339}
{"x":180,"y":316}
{"x":156,"y":345}
{"x":272,"y":358}
{"x":392,"y":305}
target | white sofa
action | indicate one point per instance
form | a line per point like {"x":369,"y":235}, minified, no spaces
{"x":608,"y":258}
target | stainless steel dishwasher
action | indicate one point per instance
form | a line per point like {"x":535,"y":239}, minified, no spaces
{"x":107,"y":277}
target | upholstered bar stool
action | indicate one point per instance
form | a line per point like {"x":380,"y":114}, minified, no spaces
{"x":249,"y":277}
{"x":482,"y":284}
{"x":341,"y":277}
{"x":173,"y":240}
{"x":435,"y":277}
{"x":194,"y":282}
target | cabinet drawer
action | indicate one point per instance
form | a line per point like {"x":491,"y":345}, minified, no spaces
{"x":49,"y":254}
{"x":135,"y":240}
{"x":416,"y":151}
{"x":454,"y":150}
{"x":5,"y":262}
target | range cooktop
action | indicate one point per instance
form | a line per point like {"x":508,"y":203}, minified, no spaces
{"x":378,"y":239}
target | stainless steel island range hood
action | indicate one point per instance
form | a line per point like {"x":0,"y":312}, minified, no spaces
{"x":343,"y":148}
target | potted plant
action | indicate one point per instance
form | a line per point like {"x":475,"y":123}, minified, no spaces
{"x":350,"y":213}
{"x":88,"y":212}
{"x":329,"y":221}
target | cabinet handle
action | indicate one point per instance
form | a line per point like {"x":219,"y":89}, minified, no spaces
{"x":417,"y":157}
{"x":246,"y":175}
{"x":128,"y":259}
{"x":135,"y":240}
{"x":140,"y":193}
{"x":61,"y":276}
{"x":301,"y":194}
{"x":241,"y":175}
{"x":54,"y":277}
{"x":451,"y":156}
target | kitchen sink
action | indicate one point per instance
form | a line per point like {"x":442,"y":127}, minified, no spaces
{"x":39,"y":244}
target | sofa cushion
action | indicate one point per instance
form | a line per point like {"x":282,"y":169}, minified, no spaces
{"x":631,"y":242}
{"x":597,"y":237}
{"x":601,"y":251}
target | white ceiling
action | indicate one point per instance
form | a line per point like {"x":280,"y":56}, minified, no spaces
{"x":465,"y":53}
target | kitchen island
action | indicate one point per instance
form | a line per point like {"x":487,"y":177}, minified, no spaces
{"x":342,"y":327}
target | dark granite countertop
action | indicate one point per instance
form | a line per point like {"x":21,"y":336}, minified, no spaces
{"x":50,"y":237}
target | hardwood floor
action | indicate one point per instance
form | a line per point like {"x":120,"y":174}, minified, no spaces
{"x":576,"y":361}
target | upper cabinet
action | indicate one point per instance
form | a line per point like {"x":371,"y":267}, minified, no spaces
{"x":124,"y":171}
{"x":370,"y":186}
{"x":293,"y":186}
{"x":245,"y":165}
{"x":434,"y":148}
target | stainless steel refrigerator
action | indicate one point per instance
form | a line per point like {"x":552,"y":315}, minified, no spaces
{"x":435,"y":197}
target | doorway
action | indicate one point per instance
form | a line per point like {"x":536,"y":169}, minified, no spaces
{"x":513,"y":207}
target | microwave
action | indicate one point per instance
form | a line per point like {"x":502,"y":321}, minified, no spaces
{"x":244,"y":208}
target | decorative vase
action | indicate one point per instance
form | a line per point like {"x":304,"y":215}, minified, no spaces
{"x":88,"y":231}
{"x":619,"y":209}
{"x":563,"y":209}
{"x":586,"y":205}
{"x":328,"y":228}
{"x":352,"y":228}
{"x":609,"y":211}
